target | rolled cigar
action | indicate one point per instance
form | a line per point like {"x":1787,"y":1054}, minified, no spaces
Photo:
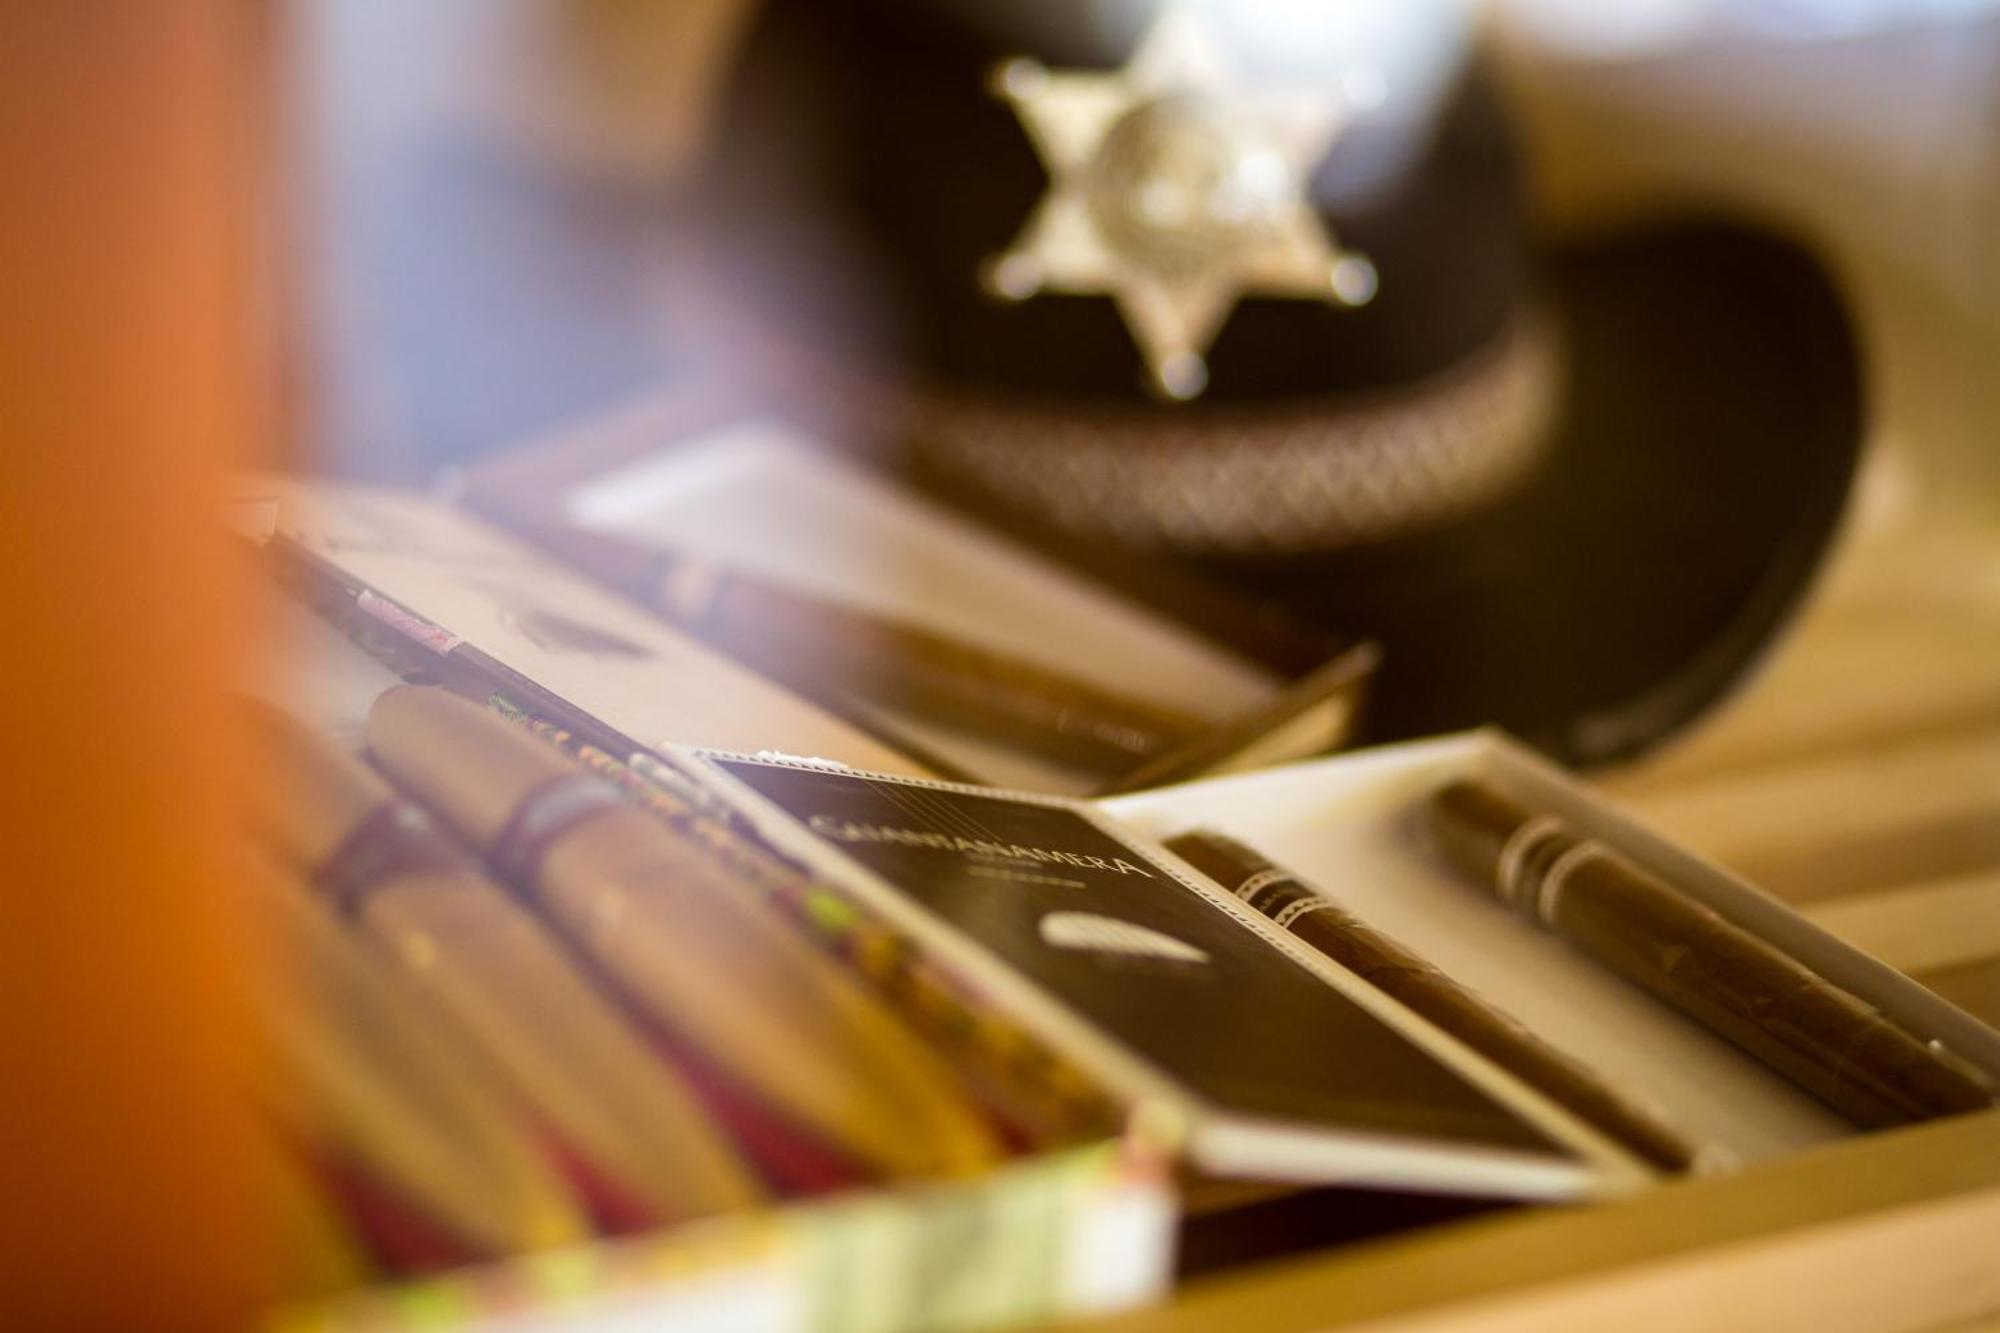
{"x":1824,"y":1039}
{"x":1428,"y":992}
{"x":707,"y":958}
{"x":357,"y":1065}
{"x":815,"y":644}
{"x":561,"y":1046}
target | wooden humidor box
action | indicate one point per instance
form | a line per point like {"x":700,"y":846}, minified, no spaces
{"x":1797,"y":1237}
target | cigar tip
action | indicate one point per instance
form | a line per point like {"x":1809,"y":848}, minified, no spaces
{"x":267,"y":729}
{"x":397,"y":695}
{"x":316,"y":788}
{"x":1457,"y":795}
{"x":399,"y":703}
{"x":1467,"y":802}
{"x":401,"y":714}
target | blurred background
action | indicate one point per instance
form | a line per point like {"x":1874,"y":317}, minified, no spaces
{"x":510,"y":173}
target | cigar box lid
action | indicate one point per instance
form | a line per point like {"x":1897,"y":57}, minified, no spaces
{"x":1232,"y":1044}
{"x":733,"y":479}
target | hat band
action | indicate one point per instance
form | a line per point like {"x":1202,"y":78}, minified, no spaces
{"x":1307,"y":478}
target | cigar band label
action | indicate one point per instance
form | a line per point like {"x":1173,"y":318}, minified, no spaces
{"x":1508,"y":870}
{"x":546,"y":813}
{"x":1548,"y":895}
{"x":1263,"y":879}
{"x":393,"y":840}
{"x":1292,"y":911}
{"x":1285,"y":900}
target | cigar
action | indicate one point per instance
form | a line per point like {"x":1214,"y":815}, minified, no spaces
{"x":357,"y":1066}
{"x":561,"y":1046}
{"x":1824,"y":1039}
{"x":701,"y":954}
{"x":1429,"y":993}
{"x":815,"y":645}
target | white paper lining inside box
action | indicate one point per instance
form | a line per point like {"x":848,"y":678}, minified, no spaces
{"x":1349,"y":825}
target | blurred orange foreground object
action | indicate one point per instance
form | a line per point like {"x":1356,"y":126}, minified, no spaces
{"x":130,"y":385}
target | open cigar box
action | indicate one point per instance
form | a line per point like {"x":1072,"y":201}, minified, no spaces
{"x":1248,"y":1074}
{"x":1076,"y":1216}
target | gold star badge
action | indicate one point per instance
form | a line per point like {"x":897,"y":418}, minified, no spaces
{"x":1174,"y":193}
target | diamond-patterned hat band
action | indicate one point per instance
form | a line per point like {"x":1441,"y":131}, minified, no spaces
{"x":1175,"y":188}
{"x":1295,"y":478}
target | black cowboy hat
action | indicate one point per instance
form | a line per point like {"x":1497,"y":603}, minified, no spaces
{"x":1132,"y":288}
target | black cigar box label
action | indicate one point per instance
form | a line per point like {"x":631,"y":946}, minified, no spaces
{"x":1169,"y":969}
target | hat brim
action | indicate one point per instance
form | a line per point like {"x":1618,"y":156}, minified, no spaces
{"x":1703,"y":443}
{"x":1702,"y":453}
